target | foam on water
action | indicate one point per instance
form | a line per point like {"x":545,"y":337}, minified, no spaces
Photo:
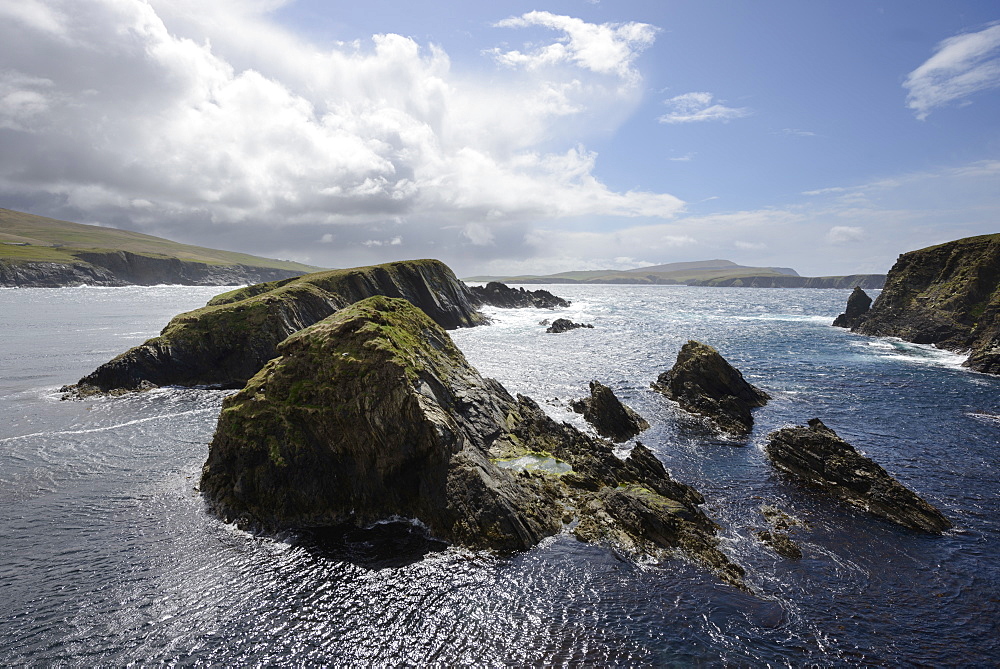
{"x":110,"y":558}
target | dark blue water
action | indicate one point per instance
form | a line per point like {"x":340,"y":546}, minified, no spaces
{"x":108,"y":556}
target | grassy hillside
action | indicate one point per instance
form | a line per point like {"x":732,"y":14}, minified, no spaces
{"x":30,"y":238}
{"x":676,"y":273}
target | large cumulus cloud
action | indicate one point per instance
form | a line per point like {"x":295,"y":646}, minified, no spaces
{"x":214,"y":124}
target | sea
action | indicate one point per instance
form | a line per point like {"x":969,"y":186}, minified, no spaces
{"x":109,"y":558}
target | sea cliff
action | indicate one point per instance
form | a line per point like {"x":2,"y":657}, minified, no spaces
{"x":122,"y":268}
{"x":226,"y":342}
{"x":947,"y":295}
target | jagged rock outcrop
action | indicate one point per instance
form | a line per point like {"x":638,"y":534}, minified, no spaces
{"x":704,"y":383}
{"x":228,"y":341}
{"x":565,"y":325}
{"x":612,"y":419}
{"x":501,"y":295}
{"x":947,"y":295}
{"x":817,"y":455}
{"x":858,"y":305}
{"x":122,"y":268}
{"x":374,"y":414}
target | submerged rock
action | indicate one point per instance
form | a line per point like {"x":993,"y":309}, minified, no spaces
{"x":777,"y":537}
{"x":780,"y":542}
{"x":947,"y":295}
{"x":374,"y":414}
{"x":704,"y":383}
{"x":608,"y":415}
{"x":817,"y":455}
{"x":565,"y":325}
{"x":501,"y":295}
{"x":858,"y":305}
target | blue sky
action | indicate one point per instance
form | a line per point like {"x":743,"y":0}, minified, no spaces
{"x":510,"y":137}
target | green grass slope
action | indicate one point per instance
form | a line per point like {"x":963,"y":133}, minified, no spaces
{"x":29,"y":238}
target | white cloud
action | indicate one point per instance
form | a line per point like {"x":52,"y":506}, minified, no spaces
{"x":370,"y":243}
{"x":869,"y":225}
{"x":606,"y":48}
{"x":825,"y":191}
{"x":211,"y":114}
{"x":795,"y":132}
{"x":845,"y":234}
{"x":33,"y":14}
{"x":694,"y":107}
{"x":478,"y":234}
{"x":961,"y":66}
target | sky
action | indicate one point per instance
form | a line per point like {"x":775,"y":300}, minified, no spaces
{"x":510,"y":137}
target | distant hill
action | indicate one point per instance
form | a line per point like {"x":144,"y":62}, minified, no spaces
{"x":39,"y":251}
{"x":698,"y":273}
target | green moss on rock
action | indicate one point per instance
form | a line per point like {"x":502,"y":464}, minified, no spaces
{"x":947,"y":295}
{"x":374,"y":413}
{"x":227,"y":341}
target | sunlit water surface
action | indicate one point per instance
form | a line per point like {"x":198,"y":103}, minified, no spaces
{"x":108,"y":556}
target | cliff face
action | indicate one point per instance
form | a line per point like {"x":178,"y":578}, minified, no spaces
{"x":122,"y":268}
{"x":374,"y":414}
{"x":228,"y":341}
{"x":946,"y":295}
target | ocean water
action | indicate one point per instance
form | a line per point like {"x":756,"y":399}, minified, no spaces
{"x":109,"y":558}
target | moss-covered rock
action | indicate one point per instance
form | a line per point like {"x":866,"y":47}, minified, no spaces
{"x":226,"y":342}
{"x":374,"y":414}
{"x":816,"y":454}
{"x":947,"y":295}
{"x":704,"y":383}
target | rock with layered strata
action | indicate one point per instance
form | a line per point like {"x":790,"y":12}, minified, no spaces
{"x":612,"y":419}
{"x":946,"y":295}
{"x":702,"y":382}
{"x":498,"y":294}
{"x":816,"y":455}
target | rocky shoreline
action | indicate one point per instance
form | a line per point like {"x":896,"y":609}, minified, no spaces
{"x":946,"y":295}
{"x":122,"y":268}
{"x":356,"y":407}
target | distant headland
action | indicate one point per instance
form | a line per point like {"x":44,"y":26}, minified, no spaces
{"x":716,"y":273}
{"x":48,"y":253}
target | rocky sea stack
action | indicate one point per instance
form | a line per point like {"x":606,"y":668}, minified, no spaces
{"x":946,"y":295}
{"x":226,"y":342}
{"x":817,"y":455}
{"x":858,"y":305}
{"x":373,"y":414}
{"x":612,"y":419}
{"x":498,"y":294}
{"x":704,"y":383}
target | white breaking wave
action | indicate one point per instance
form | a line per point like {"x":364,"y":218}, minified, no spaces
{"x":921,"y":354}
